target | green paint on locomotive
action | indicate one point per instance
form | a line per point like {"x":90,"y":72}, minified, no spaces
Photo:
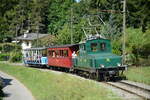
{"x":96,"y":54}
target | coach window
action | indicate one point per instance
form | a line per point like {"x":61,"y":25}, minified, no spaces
{"x":50,"y":53}
{"x":44,"y":53}
{"x":26,"y":54}
{"x":102,"y":46}
{"x":57,"y":53}
{"x":61,"y":53}
{"x":30,"y":53}
{"x":53,"y":53}
{"x":65,"y":53}
{"x":94,"y":47}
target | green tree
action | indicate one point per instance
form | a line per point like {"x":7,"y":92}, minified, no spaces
{"x":138,"y":14}
{"x":58,"y":14}
{"x":17,"y":16}
{"x":136,"y":41}
{"x":63,"y":36}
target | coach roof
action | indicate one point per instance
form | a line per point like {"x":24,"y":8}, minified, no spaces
{"x":62,"y":46}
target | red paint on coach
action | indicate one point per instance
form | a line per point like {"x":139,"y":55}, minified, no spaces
{"x":61,"y":56}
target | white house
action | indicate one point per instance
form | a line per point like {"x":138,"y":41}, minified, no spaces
{"x":27,"y":39}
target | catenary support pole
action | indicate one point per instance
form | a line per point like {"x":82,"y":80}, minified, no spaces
{"x":124,"y":33}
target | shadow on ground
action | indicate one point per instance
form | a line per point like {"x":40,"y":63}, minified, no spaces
{"x":3,"y":83}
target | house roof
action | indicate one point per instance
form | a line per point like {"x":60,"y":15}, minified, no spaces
{"x":39,"y":48}
{"x":31,"y":36}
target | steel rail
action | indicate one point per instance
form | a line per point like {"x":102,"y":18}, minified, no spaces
{"x":136,"y":86}
{"x":127,"y":90}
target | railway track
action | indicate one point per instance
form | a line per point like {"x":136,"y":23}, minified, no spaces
{"x":131,"y":87}
{"x":143,"y":91}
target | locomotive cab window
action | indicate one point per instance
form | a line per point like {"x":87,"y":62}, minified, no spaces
{"x":94,"y":47}
{"x":84,"y":47}
{"x":102,"y":46}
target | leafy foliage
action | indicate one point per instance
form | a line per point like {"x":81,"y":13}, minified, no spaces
{"x":135,"y":39}
{"x":45,"y":41}
{"x":136,"y":42}
{"x":15,"y":57}
{"x":4,"y":56}
{"x":8,"y":47}
{"x":17,"y":16}
{"x":138,"y":8}
{"x":11,"y":52}
{"x":55,"y":17}
{"x":58,"y":15}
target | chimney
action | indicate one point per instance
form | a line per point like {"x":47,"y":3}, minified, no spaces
{"x":25,"y":35}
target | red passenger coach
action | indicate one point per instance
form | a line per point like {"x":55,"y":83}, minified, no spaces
{"x":61,"y":56}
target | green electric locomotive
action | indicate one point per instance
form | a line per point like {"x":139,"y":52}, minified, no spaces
{"x":96,"y":58}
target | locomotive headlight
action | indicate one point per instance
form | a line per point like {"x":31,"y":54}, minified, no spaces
{"x":102,"y":66}
{"x":118,"y":64}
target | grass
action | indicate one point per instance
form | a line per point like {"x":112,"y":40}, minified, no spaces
{"x":52,"y":86}
{"x":138,"y":74}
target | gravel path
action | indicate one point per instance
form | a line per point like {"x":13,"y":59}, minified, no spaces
{"x":14,"y":90}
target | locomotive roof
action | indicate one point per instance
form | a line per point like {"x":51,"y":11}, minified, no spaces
{"x":62,"y":46}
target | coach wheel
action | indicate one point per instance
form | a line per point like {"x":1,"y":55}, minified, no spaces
{"x":26,"y":65}
{"x":97,"y":76}
{"x":121,"y":72}
{"x":47,"y":66}
{"x":71,"y":70}
{"x":92,"y":75}
{"x":106,"y":78}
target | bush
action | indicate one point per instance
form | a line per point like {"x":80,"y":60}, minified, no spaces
{"x":15,"y":57}
{"x":144,"y":62}
{"x":137,"y":46}
{"x":4,"y":56}
{"x":12,"y":57}
{"x":9,"y":47}
{"x":9,"y":51}
{"x":116,"y":47}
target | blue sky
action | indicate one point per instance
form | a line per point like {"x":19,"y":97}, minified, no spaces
{"x":77,"y":0}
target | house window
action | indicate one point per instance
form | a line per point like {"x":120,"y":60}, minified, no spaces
{"x":27,"y":43}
